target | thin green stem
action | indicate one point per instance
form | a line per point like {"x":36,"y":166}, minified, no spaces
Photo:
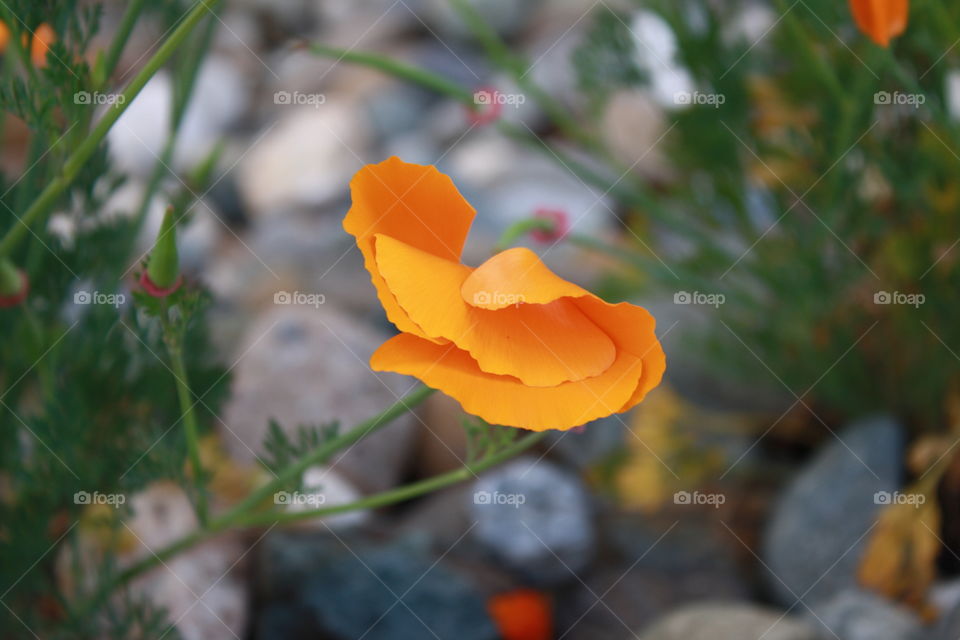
{"x":399,"y":494}
{"x":501,"y":55}
{"x":235,"y":516}
{"x":56,"y":187}
{"x":398,"y":70}
{"x":190,"y":429}
{"x":120,"y":38}
{"x":321,"y":454}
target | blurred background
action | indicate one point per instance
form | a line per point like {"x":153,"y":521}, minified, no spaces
{"x":774,"y":187}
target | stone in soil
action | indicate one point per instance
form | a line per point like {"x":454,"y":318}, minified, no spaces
{"x":729,"y":622}
{"x":301,"y":365}
{"x":860,"y":615}
{"x":535,"y":518}
{"x":820,"y":524}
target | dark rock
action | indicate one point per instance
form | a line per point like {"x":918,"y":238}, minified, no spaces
{"x":819,"y":527}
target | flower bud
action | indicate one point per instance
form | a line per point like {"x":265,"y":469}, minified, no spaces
{"x":162,"y":275}
{"x":13,"y":284}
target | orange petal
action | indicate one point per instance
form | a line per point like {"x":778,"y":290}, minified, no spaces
{"x":632,"y":329}
{"x":881,"y":20}
{"x":531,"y":342}
{"x":512,"y":276}
{"x":413,"y":203}
{"x":505,"y":400}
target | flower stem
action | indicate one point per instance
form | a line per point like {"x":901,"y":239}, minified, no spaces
{"x":399,"y":494}
{"x":56,"y":187}
{"x":191,"y":430}
{"x":124,"y":30}
{"x":240,"y":513}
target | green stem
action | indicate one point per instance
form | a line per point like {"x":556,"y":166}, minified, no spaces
{"x":519,"y":229}
{"x":191,"y":429}
{"x":809,"y":54}
{"x":236,"y":515}
{"x":501,"y":55}
{"x":120,"y":38}
{"x":321,"y":454}
{"x":399,"y":70}
{"x":55,"y":188}
{"x":399,"y":494}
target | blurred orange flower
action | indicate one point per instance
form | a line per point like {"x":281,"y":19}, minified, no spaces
{"x":522,"y":614}
{"x":43,"y":37}
{"x":40,"y":43}
{"x":510,"y":340}
{"x":881,"y":20}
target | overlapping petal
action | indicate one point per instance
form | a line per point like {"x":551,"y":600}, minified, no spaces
{"x":505,"y":400}
{"x":531,"y":342}
{"x":413,"y":203}
{"x":510,"y":340}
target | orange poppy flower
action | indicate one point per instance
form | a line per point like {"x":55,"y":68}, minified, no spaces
{"x":522,"y":614}
{"x":881,"y":20}
{"x":43,"y":37}
{"x":511,"y":341}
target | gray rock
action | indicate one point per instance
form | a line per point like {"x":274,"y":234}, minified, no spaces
{"x":364,"y":590}
{"x":728,"y":622}
{"x":859,"y":615}
{"x":301,"y":365}
{"x":535,"y":518}
{"x":817,"y":534}
{"x":597,"y":440}
{"x":946,"y":597}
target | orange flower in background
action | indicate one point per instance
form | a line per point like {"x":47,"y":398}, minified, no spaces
{"x":43,"y":37}
{"x":522,"y":614}
{"x":510,"y":340}
{"x":39,"y":44}
{"x":881,"y":20}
